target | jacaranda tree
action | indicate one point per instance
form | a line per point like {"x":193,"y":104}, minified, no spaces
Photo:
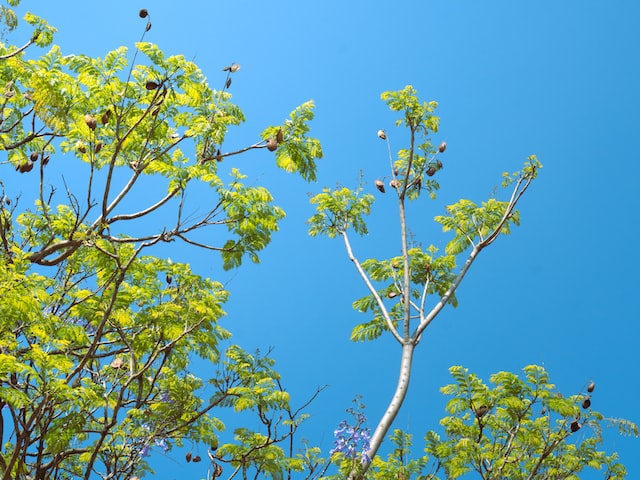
{"x":98,"y":334}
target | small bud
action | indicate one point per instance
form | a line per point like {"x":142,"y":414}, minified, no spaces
{"x":382,"y":134}
{"x":442,"y":147}
{"x":143,"y":13}
{"x":380,"y":185}
{"x":271,"y":144}
{"x":151,"y":85}
{"x":591,"y":387}
{"x":431,"y":171}
{"x":90,"y":121}
{"x":586,"y":403}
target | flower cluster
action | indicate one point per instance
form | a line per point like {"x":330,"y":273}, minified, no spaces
{"x":351,"y":440}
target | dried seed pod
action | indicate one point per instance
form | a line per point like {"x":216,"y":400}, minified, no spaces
{"x":143,"y":13}
{"x":218,"y":156}
{"x":117,"y":363}
{"x":234,"y":67}
{"x":148,"y":27}
{"x":151,"y":85}
{"x":228,"y":83}
{"x":575,"y":425}
{"x":394,"y":184}
{"x":586,"y":403}
{"x":392,"y":294}
{"x":25,"y":167}
{"x":431,"y":171}
{"x":105,"y":117}
{"x":45,"y":160}
{"x":380,"y":185}
{"x":81,"y":147}
{"x":439,"y":163}
{"x":156,"y":111}
{"x":7,"y":200}
{"x":188,"y":457}
{"x":34,"y":156}
{"x":217,"y":471}
{"x":197,"y":458}
{"x":543,"y":411}
{"x":90,"y":121}
{"x":591,"y":387}
{"x":279,"y":137}
{"x":271,"y":144}
{"x":442,"y":147}
{"x":382,"y":134}
{"x":481,"y":411}
{"x":169,"y":278}
{"x":98,"y":146}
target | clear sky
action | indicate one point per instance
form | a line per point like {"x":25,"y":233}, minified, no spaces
{"x":555,"y":79}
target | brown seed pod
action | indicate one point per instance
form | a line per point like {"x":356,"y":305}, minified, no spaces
{"x":271,"y":144}
{"x":481,"y":411}
{"x":217,"y":470}
{"x":575,"y":425}
{"x":591,"y":387}
{"x":234,"y":67}
{"x":392,"y":294}
{"x":156,"y":111}
{"x":442,"y":147}
{"x":105,"y":117}
{"x":382,"y":134}
{"x":228,"y":84}
{"x":25,"y":167}
{"x":439,"y":163}
{"x":148,"y":27}
{"x":151,"y":85}
{"x":117,"y":363}
{"x":7,"y":200}
{"x":98,"y":146}
{"x":169,"y":278}
{"x":394,"y":184}
{"x":45,"y":160}
{"x":81,"y":147}
{"x":279,"y":137}
{"x":218,"y":156}
{"x":143,"y":13}
{"x":586,"y":403}
{"x":380,"y":185}
{"x":34,"y":156}
{"x":188,"y":457}
{"x":90,"y":121}
{"x":197,"y":458}
{"x":431,"y":171}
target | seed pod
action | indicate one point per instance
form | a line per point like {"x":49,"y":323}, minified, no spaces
{"x":279,"y":137}
{"x":143,"y":13}
{"x":575,"y":425}
{"x":169,"y":278}
{"x":34,"y":156}
{"x":7,"y":200}
{"x":188,"y":457}
{"x":45,"y":160}
{"x":151,"y":85}
{"x":81,"y":147}
{"x":217,"y":471}
{"x":380,"y":185}
{"x":228,"y":84}
{"x":218,"y":156}
{"x":90,"y":121}
{"x":439,"y":163}
{"x":234,"y":67}
{"x":148,"y":27}
{"x":431,"y":171}
{"x":543,"y":411}
{"x":394,"y":184}
{"x":156,"y":111}
{"x":271,"y":144}
{"x":382,"y":134}
{"x":591,"y":387}
{"x":117,"y":363}
{"x":481,"y":411}
{"x":392,"y":294}
{"x":197,"y":458}
{"x":105,"y":117}
{"x":586,"y":403}
{"x":98,"y":146}
{"x":442,"y":147}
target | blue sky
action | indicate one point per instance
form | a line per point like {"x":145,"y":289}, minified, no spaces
{"x":558,"y":79}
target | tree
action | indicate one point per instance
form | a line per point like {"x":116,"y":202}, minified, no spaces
{"x":406,"y":294}
{"x":98,"y":334}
